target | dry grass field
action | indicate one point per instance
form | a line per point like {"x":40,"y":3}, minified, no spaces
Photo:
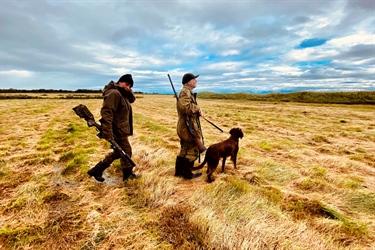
{"x":305,"y":179}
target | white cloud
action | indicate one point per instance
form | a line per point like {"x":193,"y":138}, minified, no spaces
{"x":309,"y":54}
{"x":286,"y":70}
{"x":352,"y":40}
{"x":17,"y":73}
{"x":225,"y":66}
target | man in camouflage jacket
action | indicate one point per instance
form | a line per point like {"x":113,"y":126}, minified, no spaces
{"x":187,"y":108}
{"x":116,"y":121}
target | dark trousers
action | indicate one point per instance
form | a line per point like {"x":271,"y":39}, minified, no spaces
{"x":123,"y":142}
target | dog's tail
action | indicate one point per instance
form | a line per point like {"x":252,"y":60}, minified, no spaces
{"x":200,"y":166}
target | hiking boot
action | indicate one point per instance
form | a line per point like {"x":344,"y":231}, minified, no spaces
{"x":97,"y":171}
{"x":127,"y":174}
{"x":179,"y":168}
{"x":187,"y":174}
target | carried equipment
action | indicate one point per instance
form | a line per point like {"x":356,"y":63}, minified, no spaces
{"x":83,"y":112}
{"x":198,"y":143}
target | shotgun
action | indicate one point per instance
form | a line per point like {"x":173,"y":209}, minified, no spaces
{"x":83,"y":112}
{"x":198,"y":143}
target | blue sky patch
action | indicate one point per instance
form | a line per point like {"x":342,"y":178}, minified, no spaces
{"x":313,"y":42}
{"x":312,"y":63}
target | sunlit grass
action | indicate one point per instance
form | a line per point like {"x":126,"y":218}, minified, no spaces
{"x":304,"y":178}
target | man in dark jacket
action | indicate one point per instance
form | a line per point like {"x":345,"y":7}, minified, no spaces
{"x":116,"y":121}
{"x":187,"y":108}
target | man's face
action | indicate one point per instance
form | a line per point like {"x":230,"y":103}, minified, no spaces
{"x":192,"y":83}
{"x":125,"y":86}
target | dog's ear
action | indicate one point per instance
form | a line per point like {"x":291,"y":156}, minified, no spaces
{"x":231,"y":131}
{"x":239,"y":133}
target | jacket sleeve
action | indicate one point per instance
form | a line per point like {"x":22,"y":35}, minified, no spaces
{"x":130,"y":96}
{"x":110,"y":103}
{"x":185,"y":104}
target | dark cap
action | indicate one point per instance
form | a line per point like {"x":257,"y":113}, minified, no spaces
{"x":187,"y":77}
{"x":126,"y":78}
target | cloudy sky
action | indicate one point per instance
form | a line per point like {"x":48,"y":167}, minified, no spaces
{"x":236,"y":46}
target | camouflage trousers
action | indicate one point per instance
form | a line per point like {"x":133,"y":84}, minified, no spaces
{"x":189,"y":151}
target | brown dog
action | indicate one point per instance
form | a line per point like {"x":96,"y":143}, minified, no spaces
{"x":223,"y":149}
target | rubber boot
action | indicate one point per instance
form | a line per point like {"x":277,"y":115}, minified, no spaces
{"x":127,"y":173}
{"x":97,"y":171}
{"x":188,"y":165}
{"x":179,"y":166}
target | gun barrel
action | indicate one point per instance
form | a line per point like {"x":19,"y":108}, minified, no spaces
{"x":122,"y":153}
{"x":174,"y":91}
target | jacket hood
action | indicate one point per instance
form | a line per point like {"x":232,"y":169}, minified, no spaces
{"x":126,"y":94}
{"x":110,"y":85}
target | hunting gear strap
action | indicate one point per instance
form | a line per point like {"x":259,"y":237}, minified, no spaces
{"x":199,"y":125}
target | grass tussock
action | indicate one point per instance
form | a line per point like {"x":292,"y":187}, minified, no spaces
{"x":304,"y":178}
{"x":177,"y":229}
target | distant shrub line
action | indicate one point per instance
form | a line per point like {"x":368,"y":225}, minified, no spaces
{"x":50,"y":91}
{"x":51,"y":94}
{"x":359,"y":97}
{"x":44,"y":96}
{"x":20,"y":96}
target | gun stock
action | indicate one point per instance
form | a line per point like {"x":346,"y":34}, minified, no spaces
{"x":198,"y":143}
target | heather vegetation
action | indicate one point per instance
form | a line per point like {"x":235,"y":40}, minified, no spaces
{"x":360,"y":97}
{"x":305,"y":177}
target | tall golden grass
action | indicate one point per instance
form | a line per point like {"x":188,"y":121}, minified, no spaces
{"x":305,"y":179}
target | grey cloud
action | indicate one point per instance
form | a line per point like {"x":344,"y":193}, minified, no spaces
{"x":300,"y":19}
{"x":363,"y":4}
{"x":360,"y":52}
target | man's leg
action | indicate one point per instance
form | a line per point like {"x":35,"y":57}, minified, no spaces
{"x":188,"y":154}
{"x":127,"y":168}
{"x":99,"y":168}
